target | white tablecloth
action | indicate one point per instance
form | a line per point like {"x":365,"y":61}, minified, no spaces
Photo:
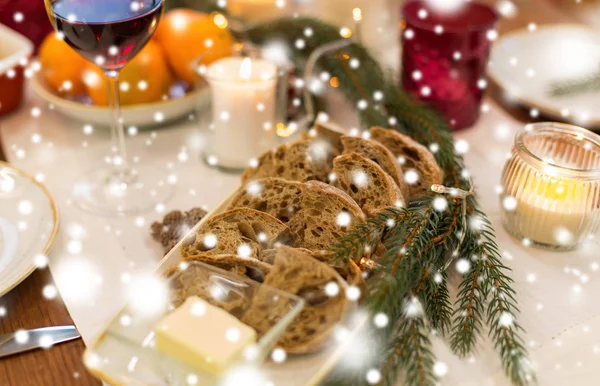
{"x":94,"y":256}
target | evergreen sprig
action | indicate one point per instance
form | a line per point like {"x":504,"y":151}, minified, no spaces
{"x":419,"y":240}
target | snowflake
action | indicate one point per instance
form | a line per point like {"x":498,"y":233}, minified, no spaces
{"x":413,"y":308}
{"x":463,"y":266}
{"x":440,"y":369}
{"x":563,"y":236}
{"x":440,"y":204}
{"x":461,"y":146}
{"x":506,"y":319}
{"x":373,"y":376}
{"x":233,"y":334}
{"x":509,"y":203}
{"x":278,"y":355}
{"x":380,"y":320}
{"x":332,"y":289}
{"x":49,"y":291}
{"x":353,"y":293}
{"x":360,"y":178}
{"x":411,"y":176}
{"x":343,"y":219}
{"x":244,"y":250}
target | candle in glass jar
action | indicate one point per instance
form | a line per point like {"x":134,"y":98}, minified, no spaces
{"x":243,"y":108}
{"x":551,"y":185}
{"x":550,"y":210}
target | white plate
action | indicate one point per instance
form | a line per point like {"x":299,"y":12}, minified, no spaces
{"x":134,"y":115}
{"x":28,"y":225}
{"x":525,"y":63}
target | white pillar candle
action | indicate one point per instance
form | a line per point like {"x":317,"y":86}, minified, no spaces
{"x":243,"y":109}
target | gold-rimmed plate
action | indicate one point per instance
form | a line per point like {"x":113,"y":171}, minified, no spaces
{"x":28,"y":225}
{"x":526,"y":63}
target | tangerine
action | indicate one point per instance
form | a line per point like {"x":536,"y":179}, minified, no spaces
{"x":187,"y":35}
{"x":145,"y":79}
{"x":61,"y":66}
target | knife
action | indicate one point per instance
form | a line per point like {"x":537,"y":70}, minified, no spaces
{"x":26,"y":340}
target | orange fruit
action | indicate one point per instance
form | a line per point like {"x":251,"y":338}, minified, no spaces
{"x":61,"y":66}
{"x":185,"y":35}
{"x":145,"y":79}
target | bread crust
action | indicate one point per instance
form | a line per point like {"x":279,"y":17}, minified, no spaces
{"x":417,"y":157}
{"x":366,"y":182}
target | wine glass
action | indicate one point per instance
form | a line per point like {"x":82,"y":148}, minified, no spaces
{"x":110,"y":33}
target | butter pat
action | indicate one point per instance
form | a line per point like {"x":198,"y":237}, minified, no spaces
{"x":203,"y":336}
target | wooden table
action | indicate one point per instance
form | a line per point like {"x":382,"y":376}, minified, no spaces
{"x":27,"y":308}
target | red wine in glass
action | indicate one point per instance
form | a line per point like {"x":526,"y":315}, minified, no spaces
{"x":110,"y":33}
{"x":107,"y":32}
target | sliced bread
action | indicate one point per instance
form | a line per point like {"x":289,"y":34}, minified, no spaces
{"x":366,"y":182}
{"x":241,"y":231}
{"x":302,"y":160}
{"x":328,"y":132}
{"x":317,"y":214}
{"x":351,"y":274}
{"x":379,"y":154}
{"x":300,"y":274}
{"x":413,"y":156}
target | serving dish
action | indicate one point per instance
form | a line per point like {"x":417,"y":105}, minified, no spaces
{"x":526,"y":63}
{"x":296,"y":370}
{"x":140,"y":115}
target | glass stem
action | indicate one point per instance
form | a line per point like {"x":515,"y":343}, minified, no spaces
{"x":117,"y":132}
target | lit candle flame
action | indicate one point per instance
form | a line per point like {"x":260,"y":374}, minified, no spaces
{"x":246,"y":69}
{"x":357,"y":14}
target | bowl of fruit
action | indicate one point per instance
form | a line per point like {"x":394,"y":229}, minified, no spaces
{"x":157,"y":86}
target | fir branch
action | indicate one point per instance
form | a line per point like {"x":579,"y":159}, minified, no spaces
{"x":412,"y":351}
{"x":420,"y":238}
{"x":365,"y":238}
{"x":433,"y":293}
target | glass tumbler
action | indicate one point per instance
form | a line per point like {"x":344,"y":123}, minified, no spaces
{"x":444,"y":57}
{"x":551,"y":186}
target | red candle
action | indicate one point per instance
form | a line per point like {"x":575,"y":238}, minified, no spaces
{"x":445,"y":54}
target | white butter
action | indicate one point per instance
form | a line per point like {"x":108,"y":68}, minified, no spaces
{"x":203,"y":336}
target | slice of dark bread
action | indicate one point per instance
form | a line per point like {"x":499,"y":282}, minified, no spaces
{"x":328,"y":132}
{"x":302,"y":160}
{"x":236,"y":231}
{"x":249,"y":267}
{"x":379,"y":154}
{"x":300,"y":274}
{"x":351,"y":274}
{"x":312,"y":210}
{"x":366,"y":182}
{"x":415,"y":156}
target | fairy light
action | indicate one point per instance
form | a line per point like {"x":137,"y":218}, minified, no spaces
{"x":345,"y":32}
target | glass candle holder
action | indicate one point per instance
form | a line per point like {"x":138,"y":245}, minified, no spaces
{"x":248,"y":102}
{"x":551,"y":185}
{"x":444,"y":57}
